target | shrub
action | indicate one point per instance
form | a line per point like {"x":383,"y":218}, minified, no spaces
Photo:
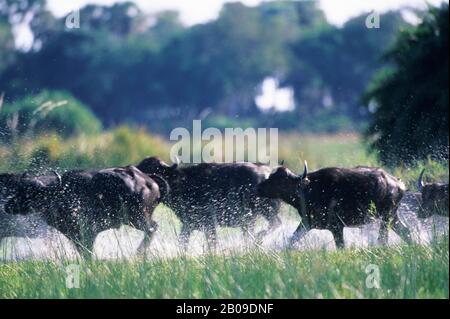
{"x":48,"y":111}
{"x":409,"y":100}
{"x":118,"y":147}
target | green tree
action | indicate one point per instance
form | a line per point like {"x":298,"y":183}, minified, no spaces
{"x":12,"y":13}
{"x":110,"y":63}
{"x":219,"y":65}
{"x":15,"y":11}
{"x":410,"y":100}
{"x":332,"y":66}
{"x":7,"y":49}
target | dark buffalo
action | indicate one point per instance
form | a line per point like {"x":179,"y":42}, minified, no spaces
{"x":29,"y":187}
{"x":10,"y":183}
{"x":10,"y":186}
{"x":84,"y":203}
{"x":333,"y":198}
{"x":208,"y":195}
{"x":434,"y":198}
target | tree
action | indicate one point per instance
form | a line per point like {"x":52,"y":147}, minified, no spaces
{"x":15,"y":11}
{"x":7,"y":49}
{"x":12,"y":13}
{"x":219,"y":65}
{"x":410,"y":100}
{"x":332,"y":66}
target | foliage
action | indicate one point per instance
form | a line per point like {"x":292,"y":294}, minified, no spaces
{"x":334,"y":66}
{"x":150,"y":69}
{"x":128,"y":66}
{"x":6,"y":45}
{"x":119,"y":147}
{"x":411,"y":99}
{"x":45,"y":112}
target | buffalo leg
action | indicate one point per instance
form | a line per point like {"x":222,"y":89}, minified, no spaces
{"x":385,"y":212}
{"x":401,"y":229}
{"x":85,"y":246}
{"x":211,"y":235}
{"x":149,"y":231}
{"x":82,"y":237}
{"x":383,"y":232}
{"x":299,"y":233}
{"x":338,"y":233}
{"x":335,"y":224}
{"x":248,"y":231}
{"x":274,"y":223}
{"x":148,"y":226}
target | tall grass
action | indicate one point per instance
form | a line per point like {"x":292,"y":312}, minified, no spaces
{"x":405,"y":272}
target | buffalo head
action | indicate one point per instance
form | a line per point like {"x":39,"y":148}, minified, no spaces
{"x":33,"y":194}
{"x":154,"y":165}
{"x":284,"y":184}
{"x":434,"y":198}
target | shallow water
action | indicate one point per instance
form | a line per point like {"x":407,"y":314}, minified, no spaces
{"x":29,"y":237}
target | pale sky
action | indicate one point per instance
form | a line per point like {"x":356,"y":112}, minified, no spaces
{"x":197,"y":11}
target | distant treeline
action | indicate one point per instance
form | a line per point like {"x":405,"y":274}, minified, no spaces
{"x":129,"y":66}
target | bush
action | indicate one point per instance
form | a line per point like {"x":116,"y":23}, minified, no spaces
{"x":48,"y":111}
{"x":118,"y":147}
{"x":410,"y":100}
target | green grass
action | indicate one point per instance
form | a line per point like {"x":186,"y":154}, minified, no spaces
{"x":405,"y":272}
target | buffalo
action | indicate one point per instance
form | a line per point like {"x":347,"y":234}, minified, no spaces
{"x":434,"y":198}
{"x":11,"y":183}
{"x":84,"y":203}
{"x":10,"y":186}
{"x":204,"y":196}
{"x":333,"y":198}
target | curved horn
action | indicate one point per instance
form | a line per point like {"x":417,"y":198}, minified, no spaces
{"x":305,"y":170}
{"x":58,"y":177}
{"x":420,"y":181}
{"x":163,"y":185}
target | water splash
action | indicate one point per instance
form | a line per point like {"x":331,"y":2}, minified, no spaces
{"x":44,"y":242}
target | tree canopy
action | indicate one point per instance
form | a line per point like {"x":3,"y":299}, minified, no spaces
{"x":410,"y":100}
{"x":131,"y":66}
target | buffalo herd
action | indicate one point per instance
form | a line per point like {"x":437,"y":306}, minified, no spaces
{"x":81,"y":204}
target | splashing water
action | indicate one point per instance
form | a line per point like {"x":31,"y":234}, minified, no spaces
{"x":28,"y":237}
